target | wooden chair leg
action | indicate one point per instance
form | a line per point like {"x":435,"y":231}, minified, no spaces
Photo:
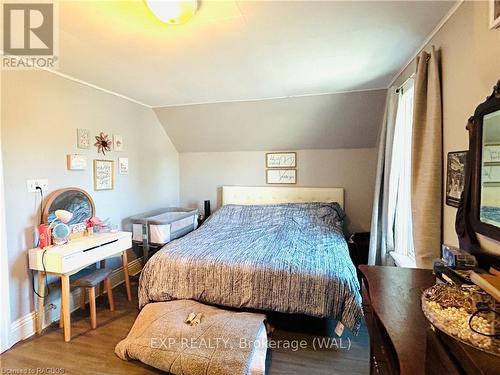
{"x":102,"y":286}
{"x":93,"y":319}
{"x":109,"y":292}
{"x":61,"y":316}
{"x":82,"y":298}
{"x":126,"y":276}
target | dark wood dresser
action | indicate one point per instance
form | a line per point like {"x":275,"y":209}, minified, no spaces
{"x":401,"y":339}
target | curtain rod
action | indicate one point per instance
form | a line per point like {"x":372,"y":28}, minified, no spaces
{"x":400,"y":88}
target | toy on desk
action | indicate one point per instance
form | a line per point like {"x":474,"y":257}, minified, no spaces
{"x":43,"y":237}
{"x":61,"y":231}
{"x":89,"y":226}
{"x":96,"y":225}
{"x":58,"y":232}
{"x":455,"y":266}
{"x":458,"y":259}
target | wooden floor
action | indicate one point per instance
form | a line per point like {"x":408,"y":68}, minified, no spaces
{"x":92,"y":351}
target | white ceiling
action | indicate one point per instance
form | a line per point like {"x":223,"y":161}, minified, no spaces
{"x":241,"y":50}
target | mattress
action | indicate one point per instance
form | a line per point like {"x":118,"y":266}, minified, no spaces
{"x":290,"y":258}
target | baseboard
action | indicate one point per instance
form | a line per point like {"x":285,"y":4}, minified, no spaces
{"x":25,"y":327}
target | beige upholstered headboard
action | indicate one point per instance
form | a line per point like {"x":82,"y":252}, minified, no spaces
{"x":277,"y":194}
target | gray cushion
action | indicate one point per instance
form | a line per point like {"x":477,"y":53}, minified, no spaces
{"x":159,"y":334}
{"x":89,"y":278}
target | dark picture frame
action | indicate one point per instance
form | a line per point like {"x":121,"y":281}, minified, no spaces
{"x":455,"y":177}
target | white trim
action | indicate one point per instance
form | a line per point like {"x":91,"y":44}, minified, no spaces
{"x":24,"y":327}
{"x":4,"y":265}
{"x":402,"y":260}
{"x":85,"y":83}
{"x":428,"y":39}
{"x":269,"y":98}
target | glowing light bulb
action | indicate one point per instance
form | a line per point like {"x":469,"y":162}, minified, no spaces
{"x":173,"y":12}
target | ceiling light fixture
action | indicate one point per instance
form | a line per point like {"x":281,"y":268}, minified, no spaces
{"x":173,"y":12}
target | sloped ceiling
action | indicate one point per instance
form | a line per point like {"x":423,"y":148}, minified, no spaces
{"x":349,"y":120}
{"x":242,"y":50}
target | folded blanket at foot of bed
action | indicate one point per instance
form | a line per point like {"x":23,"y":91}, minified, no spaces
{"x":224,"y":342}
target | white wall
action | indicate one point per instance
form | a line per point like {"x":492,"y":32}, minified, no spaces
{"x":470,"y":57}
{"x":203,"y":173}
{"x":41,"y":112}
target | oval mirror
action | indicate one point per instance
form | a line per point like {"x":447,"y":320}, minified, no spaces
{"x":74,"y":200}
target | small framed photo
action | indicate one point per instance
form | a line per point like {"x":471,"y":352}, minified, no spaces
{"x":281,"y":160}
{"x":494,"y":14}
{"x":123,"y":165}
{"x":455,"y":177}
{"x":76,"y":162}
{"x":117,"y":142}
{"x":281,"y":176}
{"x":103,"y":175}
{"x":83,"y":138}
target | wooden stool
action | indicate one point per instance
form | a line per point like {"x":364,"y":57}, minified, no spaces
{"x":89,"y":279}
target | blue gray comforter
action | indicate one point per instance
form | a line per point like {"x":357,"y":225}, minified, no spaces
{"x":290,"y":258}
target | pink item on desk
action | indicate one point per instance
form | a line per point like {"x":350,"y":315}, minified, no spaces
{"x":44,"y":236}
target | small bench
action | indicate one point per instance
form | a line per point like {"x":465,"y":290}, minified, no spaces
{"x":89,"y":279}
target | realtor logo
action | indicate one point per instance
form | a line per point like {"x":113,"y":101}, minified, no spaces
{"x":28,"y":35}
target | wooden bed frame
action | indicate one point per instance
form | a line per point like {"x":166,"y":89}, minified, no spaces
{"x":247,"y":195}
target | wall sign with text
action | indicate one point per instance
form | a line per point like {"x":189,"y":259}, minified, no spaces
{"x":281,"y":160}
{"x":281,"y":176}
{"x":123,"y":165}
{"x":76,"y":162}
{"x":103,"y":174}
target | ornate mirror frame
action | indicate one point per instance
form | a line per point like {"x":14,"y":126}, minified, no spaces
{"x":475,"y":127}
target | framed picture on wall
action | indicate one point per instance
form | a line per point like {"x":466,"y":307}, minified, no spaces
{"x":281,"y":176}
{"x":76,"y":162}
{"x":103,"y":175}
{"x":83,"y":138}
{"x":455,"y":177}
{"x":123,"y":165}
{"x":494,"y":14}
{"x":281,"y":160}
{"x":117,"y":142}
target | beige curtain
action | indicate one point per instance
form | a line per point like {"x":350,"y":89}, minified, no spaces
{"x":381,"y":234}
{"x":427,"y":160}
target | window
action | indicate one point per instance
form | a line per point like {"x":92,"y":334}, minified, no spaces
{"x":400,"y":215}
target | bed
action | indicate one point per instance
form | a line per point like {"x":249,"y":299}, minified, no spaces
{"x":270,"y":249}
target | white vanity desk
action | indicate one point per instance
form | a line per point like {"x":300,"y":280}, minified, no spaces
{"x":65,"y":260}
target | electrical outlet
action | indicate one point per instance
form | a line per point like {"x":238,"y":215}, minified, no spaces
{"x":32,"y":185}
